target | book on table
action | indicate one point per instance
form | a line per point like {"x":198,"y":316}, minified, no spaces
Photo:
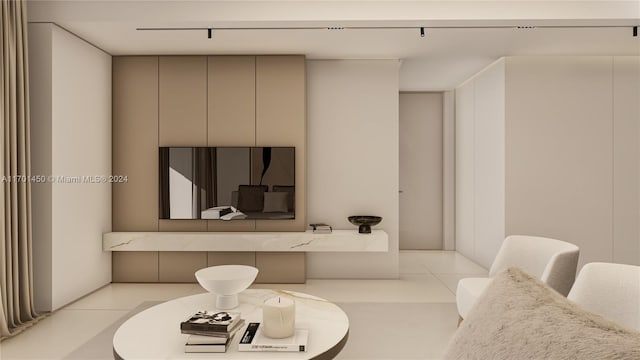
{"x":207,"y":340}
{"x":210,"y":321}
{"x":205,"y":348}
{"x":254,"y":340}
{"x":212,"y":342}
{"x":321,"y":228}
{"x":197,"y":345}
{"x":217,"y":334}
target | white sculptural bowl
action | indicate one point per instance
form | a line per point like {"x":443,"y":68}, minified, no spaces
{"x":226,"y":281}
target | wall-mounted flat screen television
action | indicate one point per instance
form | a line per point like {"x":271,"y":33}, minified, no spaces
{"x":227,"y":183}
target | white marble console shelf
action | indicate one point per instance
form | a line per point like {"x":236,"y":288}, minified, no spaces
{"x":338,"y":241}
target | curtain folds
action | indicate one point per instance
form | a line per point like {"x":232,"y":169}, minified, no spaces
{"x":16,"y":276}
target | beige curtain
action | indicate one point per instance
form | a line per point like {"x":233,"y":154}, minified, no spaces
{"x":16,"y":277}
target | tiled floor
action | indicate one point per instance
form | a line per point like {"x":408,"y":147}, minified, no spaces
{"x":425,"y":277}
{"x":447,"y":266}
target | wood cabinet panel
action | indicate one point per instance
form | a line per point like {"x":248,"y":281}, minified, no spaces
{"x":202,"y":101}
{"x":182,"y":101}
{"x":180,"y":266}
{"x":135,"y":143}
{"x":215,"y":258}
{"x":183,"y":114}
{"x":231,"y":100}
{"x":232,"y":225}
{"x":279,"y":268}
{"x":135,"y":266}
{"x":182,"y":225}
{"x":281,"y":121}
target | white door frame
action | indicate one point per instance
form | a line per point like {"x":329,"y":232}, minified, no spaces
{"x":448,"y":170}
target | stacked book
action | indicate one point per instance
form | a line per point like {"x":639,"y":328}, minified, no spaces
{"x":210,"y":331}
{"x":254,"y":340}
{"x":321,"y":228}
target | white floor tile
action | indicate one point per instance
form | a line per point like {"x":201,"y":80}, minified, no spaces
{"x":128,"y":296}
{"x":412,"y":262}
{"x":427,"y":277}
{"x":409,"y":288}
{"x":451,"y":262}
{"x":59,"y":334}
{"x":451,"y":280}
{"x":423,"y":332}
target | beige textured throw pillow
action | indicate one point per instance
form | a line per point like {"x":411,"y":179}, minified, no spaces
{"x":519,"y":317}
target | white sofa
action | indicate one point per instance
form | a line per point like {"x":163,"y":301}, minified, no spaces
{"x":552,"y":261}
{"x":519,"y":317}
{"x":609,"y":290}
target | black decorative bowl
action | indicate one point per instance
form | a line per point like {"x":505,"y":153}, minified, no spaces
{"x":364,"y":222}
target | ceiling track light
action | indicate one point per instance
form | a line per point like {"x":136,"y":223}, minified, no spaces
{"x":422,"y":28}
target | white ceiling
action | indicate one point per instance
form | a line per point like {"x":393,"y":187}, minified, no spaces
{"x":441,"y":60}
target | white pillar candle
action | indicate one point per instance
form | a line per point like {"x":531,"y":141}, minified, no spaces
{"x":279,"y":317}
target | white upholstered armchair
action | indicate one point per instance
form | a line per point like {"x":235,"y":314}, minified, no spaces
{"x":552,"y":261}
{"x":610,"y":290}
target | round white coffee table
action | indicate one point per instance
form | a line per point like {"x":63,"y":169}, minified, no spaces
{"x":155,"y":333}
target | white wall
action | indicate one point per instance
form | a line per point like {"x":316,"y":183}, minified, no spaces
{"x":489,"y":157}
{"x":426,"y":74}
{"x":626,"y":159}
{"x":79,"y":144}
{"x":566,"y":160}
{"x":448,"y":170}
{"x":559,"y":151}
{"x":480,"y":126}
{"x":40,"y":108}
{"x":353,"y":164}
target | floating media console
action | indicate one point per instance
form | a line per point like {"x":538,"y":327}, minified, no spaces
{"x":337,"y":241}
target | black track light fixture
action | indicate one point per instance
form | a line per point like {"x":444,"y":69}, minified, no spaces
{"x":422,"y":28}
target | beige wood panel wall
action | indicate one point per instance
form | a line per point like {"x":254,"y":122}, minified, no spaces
{"x":182,"y":118}
{"x":278,"y":268}
{"x":135,"y":154}
{"x":231,"y":114}
{"x":232,"y":100}
{"x":180,"y":266}
{"x":559,"y":151}
{"x":626,"y":159}
{"x":183,"y":101}
{"x":235,"y":225}
{"x":281,"y":121}
{"x":182,"y":225}
{"x":135,"y":266}
{"x":200,"y":101}
{"x":135,"y":143}
{"x":231,"y":258}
